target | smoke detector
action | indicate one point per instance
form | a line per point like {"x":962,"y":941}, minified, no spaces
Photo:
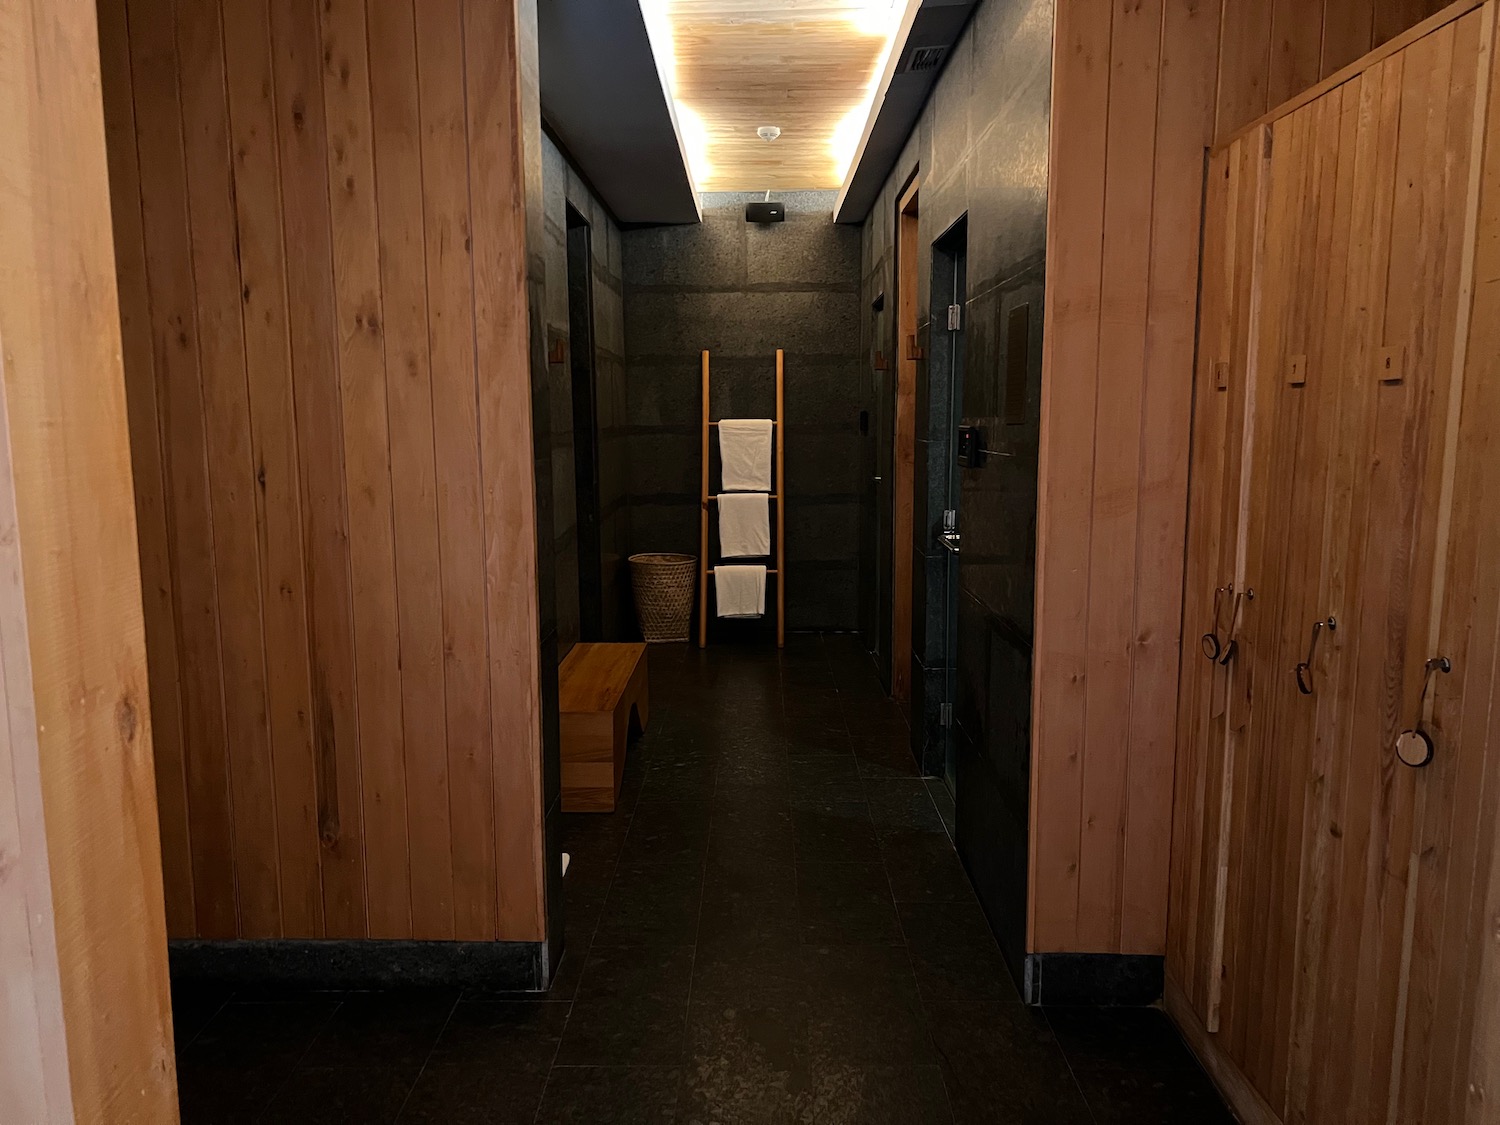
{"x":768,"y":132}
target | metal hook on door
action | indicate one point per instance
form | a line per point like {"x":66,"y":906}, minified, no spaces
{"x":1213,"y":648}
{"x":1414,"y":745}
{"x":1305,"y":666}
{"x":1231,"y":644}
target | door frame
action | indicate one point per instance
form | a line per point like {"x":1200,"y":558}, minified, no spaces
{"x":904,"y":440}
{"x":583,"y":381}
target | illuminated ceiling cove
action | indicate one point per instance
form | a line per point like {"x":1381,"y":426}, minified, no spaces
{"x":808,"y":67}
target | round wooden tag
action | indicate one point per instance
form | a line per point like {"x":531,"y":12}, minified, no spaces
{"x":1414,"y":748}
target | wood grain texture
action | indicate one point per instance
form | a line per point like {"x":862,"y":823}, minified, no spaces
{"x":806,"y":68}
{"x":334,"y":551}
{"x":1070,"y":364}
{"x":602,"y":694}
{"x":1131,"y":118}
{"x":1273,"y":50}
{"x":497,"y":173}
{"x":1140,"y":90}
{"x":87,"y":972}
{"x":1355,"y":883}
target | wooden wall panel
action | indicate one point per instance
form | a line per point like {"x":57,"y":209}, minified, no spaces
{"x":1355,"y":931}
{"x":1070,"y":364}
{"x":1132,"y":114}
{"x":84,"y":1013}
{"x":1275,"y":49}
{"x":460,"y":511}
{"x":1140,"y":91}
{"x":331,"y":407}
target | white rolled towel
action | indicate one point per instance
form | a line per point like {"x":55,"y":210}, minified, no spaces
{"x":745,"y":454}
{"x":744,"y":525}
{"x":740,"y":590}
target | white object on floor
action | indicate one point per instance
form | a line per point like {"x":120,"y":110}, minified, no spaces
{"x":566,"y":860}
{"x":745,"y":454}
{"x":741,"y":590}
{"x":744,"y":525}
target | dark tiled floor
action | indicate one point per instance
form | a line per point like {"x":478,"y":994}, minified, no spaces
{"x":773,"y":929}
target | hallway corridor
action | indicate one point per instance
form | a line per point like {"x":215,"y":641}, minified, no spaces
{"x":773,"y":928}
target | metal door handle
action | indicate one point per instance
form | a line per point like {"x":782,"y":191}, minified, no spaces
{"x":950,"y":540}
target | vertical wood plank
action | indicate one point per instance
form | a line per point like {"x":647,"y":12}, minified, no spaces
{"x":361,"y":335}
{"x":440,"y":64}
{"x":1296,"y":48}
{"x":315,"y":357}
{"x":34,"y":1065}
{"x":1183,"y":132}
{"x":1244,"y":64}
{"x":1369,"y":255}
{"x":1334,"y":392}
{"x":1348,"y":32}
{"x":151,"y":488}
{"x":1070,"y":356}
{"x":403,"y":282}
{"x":231,"y":476}
{"x":1403,"y":430}
{"x":174,"y":325}
{"x":497,"y":169}
{"x":273,"y":435}
{"x":1203,"y":600}
{"x":1249,"y":230}
{"x":1129,"y":175}
{"x":1453,"y":188}
{"x":86,"y":723}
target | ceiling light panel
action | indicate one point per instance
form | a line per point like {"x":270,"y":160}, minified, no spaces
{"x":810,"y":66}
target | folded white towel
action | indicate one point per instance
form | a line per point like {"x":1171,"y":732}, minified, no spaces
{"x":745,"y":453}
{"x":744,"y":525}
{"x":740,"y":590}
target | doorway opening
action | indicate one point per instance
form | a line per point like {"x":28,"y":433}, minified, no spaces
{"x":585,"y":426}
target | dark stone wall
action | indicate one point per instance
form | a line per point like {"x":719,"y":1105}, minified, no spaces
{"x":741,"y":291}
{"x":562,"y":187}
{"x":980,"y":151}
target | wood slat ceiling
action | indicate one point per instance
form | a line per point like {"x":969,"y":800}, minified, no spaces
{"x":804,"y":66}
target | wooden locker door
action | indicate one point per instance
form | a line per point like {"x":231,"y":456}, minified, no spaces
{"x":1284,"y":497}
{"x":1404,"y":140}
{"x":1232,"y":220}
{"x":1217,"y":407}
{"x":1356,"y":897}
{"x":1413,"y":462}
{"x":1323,"y":578}
{"x":1302,"y":371}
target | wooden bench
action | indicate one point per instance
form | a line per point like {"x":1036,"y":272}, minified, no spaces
{"x":602,"y":695}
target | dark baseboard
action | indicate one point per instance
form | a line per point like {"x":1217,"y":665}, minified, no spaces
{"x":1109,"y":979}
{"x":501,"y":966}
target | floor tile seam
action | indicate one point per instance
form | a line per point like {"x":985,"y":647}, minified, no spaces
{"x":291,"y":1071}
{"x":687,"y":1006}
{"x":427,"y":1058}
{"x":224,"y":1003}
{"x":1072,"y":1071}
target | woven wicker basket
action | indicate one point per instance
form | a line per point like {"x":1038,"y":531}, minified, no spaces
{"x":663,"y":595}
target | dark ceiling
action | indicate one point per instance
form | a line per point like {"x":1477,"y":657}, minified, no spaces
{"x":603,"y":99}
